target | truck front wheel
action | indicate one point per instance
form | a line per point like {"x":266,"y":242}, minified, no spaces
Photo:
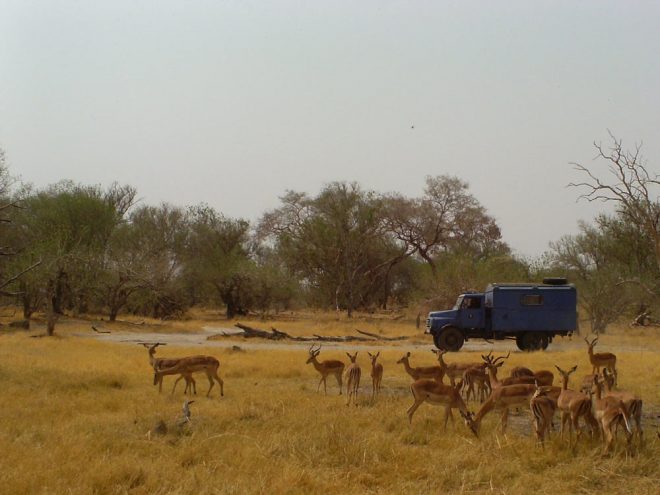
{"x":450,"y":339}
{"x":532,"y":341}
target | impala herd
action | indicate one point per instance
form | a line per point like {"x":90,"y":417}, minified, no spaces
{"x":596,"y":404}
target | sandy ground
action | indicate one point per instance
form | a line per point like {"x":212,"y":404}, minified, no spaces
{"x":201,"y":339}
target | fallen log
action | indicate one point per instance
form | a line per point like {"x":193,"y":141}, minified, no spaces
{"x":99,"y":331}
{"x":249,"y":332}
{"x":292,"y":337}
{"x":275,"y":334}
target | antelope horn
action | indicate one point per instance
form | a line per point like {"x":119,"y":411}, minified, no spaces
{"x":497,"y":359}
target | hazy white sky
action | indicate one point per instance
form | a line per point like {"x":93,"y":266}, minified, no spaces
{"x":233,"y":102}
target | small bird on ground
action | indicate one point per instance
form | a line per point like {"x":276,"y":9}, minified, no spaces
{"x":186,"y":410}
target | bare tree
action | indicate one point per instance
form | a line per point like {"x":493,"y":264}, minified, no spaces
{"x":631,"y":187}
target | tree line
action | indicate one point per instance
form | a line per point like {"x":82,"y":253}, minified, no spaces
{"x":74,"y":248}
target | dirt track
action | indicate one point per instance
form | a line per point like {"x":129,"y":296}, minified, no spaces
{"x":201,"y":339}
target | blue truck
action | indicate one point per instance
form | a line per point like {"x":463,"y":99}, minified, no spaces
{"x":532,"y":314}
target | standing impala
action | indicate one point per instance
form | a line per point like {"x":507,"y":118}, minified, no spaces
{"x":376,"y":374}
{"x":632,"y":402}
{"x":434,"y":372}
{"x":476,"y":377}
{"x":574,"y":405}
{"x":325,"y":368}
{"x":161,"y":363}
{"x":543,"y":410}
{"x":454,"y":371}
{"x":193,"y":364}
{"x":353,"y":373}
{"x":601,"y":359}
{"x":610,"y":411}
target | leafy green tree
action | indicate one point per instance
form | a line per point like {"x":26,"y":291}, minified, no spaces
{"x":333,"y":242}
{"x":217,"y":255}
{"x":147,"y":262}
{"x":66,"y":226}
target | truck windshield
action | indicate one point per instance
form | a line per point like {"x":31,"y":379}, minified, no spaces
{"x":458,"y":302}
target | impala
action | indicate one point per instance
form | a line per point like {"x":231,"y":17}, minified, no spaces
{"x":573,"y":405}
{"x":476,"y":377}
{"x":454,"y":371}
{"x":543,"y":410}
{"x":589,"y":383}
{"x":543,"y":377}
{"x":521,"y":371}
{"x":325,"y":368}
{"x":503,"y":396}
{"x":353,"y":373}
{"x":601,"y":359}
{"x":435,"y":372}
{"x":376,"y":374}
{"x":492,"y":364}
{"x":632,"y":402}
{"x":610,"y":411}
{"x":160,"y":363}
{"x":194,"y":364}
{"x":439,"y":394}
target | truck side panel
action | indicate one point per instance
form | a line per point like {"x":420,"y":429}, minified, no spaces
{"x":543,"y":308}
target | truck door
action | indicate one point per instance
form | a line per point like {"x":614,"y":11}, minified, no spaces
{"x":472,"y":312}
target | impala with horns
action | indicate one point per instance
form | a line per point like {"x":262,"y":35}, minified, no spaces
{"x":433,"y":372}
{"x":162,"y":363}
{"x":325,"y":368}
{"x":503,"y":396}
{"x":454,"y":371}
{"x":195,"y":364}
{"x":492,"y":364}
{"x":600,"y":360}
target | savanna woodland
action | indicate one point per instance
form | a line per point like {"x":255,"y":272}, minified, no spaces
{"x":81,"y":415}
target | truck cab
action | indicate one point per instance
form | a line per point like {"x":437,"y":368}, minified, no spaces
{"x":531,"y":313}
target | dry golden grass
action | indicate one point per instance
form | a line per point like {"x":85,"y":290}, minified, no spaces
{"x":75,"y":414}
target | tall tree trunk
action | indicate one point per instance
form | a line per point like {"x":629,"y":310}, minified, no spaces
{"x":51,"y":314}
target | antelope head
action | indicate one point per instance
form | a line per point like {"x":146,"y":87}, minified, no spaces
{"x":468,"y":417}
{"x":496,"y":362}
{"x":313,"y":353}
{"x":566,"y":374}
{"x":404,"y":359}
{"x":353,"y":357}
{"x":373,"y":357}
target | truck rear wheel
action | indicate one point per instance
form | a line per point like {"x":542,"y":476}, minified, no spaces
{"x":532,"y":341}
{"x":449,"y":339}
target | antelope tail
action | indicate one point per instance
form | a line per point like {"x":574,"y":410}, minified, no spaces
{"x":624,"y":413}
